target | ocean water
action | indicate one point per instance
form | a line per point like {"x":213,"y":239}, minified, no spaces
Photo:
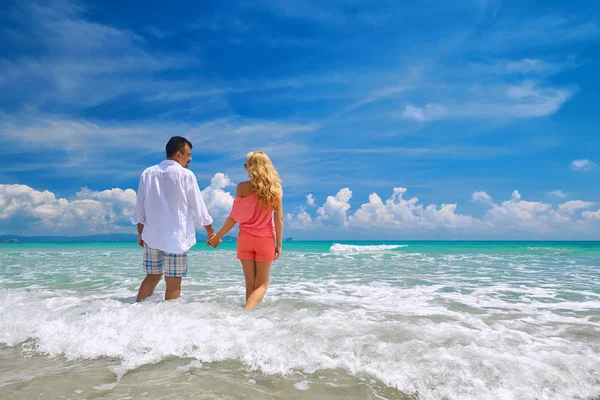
{"x":351,"y":320}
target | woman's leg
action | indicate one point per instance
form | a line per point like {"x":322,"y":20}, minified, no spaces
{"x":249,"y":267}
{"x":263,"y":274}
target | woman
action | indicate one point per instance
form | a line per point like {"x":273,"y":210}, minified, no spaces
{"x":258,"y":210}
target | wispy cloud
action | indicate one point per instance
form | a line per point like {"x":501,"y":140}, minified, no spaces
{"x":584,"y":165}
{"x":557,"y":193}
{"x":526,"y":31}
{"x":330,"y":12}
{"x":525,"y":100}
{"x":533,"y":65}
{"x":430,"y":112}
{"x":103,"y":148}
{"x":77,"y":57}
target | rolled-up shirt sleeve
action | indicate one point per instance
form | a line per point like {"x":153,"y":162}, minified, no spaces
{"x":140,"y":210}
{"x":197,"y":205}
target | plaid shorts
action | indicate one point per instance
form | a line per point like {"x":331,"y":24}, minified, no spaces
{"x":154,"y":259}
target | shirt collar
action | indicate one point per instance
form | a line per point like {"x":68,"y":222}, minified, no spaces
{"x":169,"y":162}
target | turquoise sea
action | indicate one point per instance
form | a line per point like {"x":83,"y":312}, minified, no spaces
{"x":347,"y":320}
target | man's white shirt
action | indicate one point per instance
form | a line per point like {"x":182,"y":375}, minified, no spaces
{"x":168,"y":201}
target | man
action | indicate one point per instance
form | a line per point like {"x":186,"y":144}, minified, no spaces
{"x":168,"y":201}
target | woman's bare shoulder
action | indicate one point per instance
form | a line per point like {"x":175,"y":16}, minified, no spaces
{"x":244,"y":189}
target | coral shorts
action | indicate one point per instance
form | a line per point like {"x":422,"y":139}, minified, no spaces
{"x":257,"y":248}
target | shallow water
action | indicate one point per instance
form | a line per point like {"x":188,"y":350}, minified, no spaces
{"x":420,"y":320}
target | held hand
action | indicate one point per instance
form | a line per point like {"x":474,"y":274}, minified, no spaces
{"x":214,"y":242}
{"x":209,"y":238}
{"x":277,"y":252}
{"x":140,"y":241}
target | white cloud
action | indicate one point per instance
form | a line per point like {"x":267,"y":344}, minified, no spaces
{"x":584,"y":165}
{"x":39,"y":211}
{"x":591,"y":215}
{"x":14,"y":198}
{"x":126,"y":197}
{"x":310,"y":200}
{"x":218,"y":201}
{"x":301,"y":220}
{"x":481,"y":197}
{"x":24,"y":210}
{"x":121,"y":201}
{"x":570,"y":207}
{"x":519,"y":214}
{"x":334,"y":211}
{"x":430,"y":112}
{"x":557,"y":193}
{"x":397,"y":212}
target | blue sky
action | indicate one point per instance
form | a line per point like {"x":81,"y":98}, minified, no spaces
{"x":385,"y":119}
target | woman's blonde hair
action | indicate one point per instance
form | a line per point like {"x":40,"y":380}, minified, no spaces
{"x":264,"y":179}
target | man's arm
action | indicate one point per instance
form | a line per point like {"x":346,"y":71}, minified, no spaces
{"x":198,"y":208}
{"x":140,"y":212}
{"x":140,"y":229}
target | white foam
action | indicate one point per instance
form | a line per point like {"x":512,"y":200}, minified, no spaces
{"x":351,"y":248}
{"x":424,"y":348}
{"x":302,"y":385}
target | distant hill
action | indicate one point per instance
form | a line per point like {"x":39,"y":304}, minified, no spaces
{"x":111,"y":237}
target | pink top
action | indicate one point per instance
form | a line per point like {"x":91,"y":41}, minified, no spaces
{"x":251,"y":217}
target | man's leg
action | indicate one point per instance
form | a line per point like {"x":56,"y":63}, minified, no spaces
{"x":153,"y":265}
{"x":173,"y":287}
{"x":176,"y":267}
{"x":148,"y":285}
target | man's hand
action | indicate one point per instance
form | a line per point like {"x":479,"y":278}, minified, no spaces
{"x":214,"y":241}
{"x":140,"y":227}
{"x":208,"y":237}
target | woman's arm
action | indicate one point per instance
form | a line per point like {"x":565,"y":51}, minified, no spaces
{"x":278,"y":220}
{"x":227,"y":226}
{"x":229,"y":222}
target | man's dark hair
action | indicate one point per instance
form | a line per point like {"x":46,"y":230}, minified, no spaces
{"x":175,"y":144}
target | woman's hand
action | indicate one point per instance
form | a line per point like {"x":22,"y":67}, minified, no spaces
{"x":277,"y":251}
{"x":214,"y":241}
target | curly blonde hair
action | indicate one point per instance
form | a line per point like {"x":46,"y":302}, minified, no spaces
{"x":264,"y":179}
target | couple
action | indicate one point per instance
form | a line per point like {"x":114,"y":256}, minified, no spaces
{"x":168,"y":202}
